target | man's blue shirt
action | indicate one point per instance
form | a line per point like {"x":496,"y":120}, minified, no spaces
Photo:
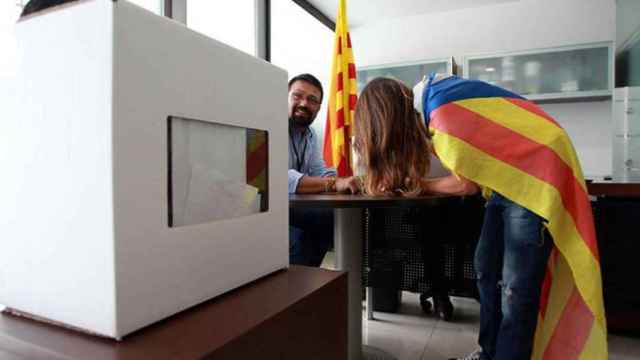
{"x":305,"y":157}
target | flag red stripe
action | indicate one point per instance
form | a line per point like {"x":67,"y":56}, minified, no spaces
{"x":533,"y":108}
{"x":349,"y":40}
{"x":256,"y":161}
{"x":353,"y":99}
{"x":340,"y":85}
{"x":343,"y":168}
{"x":572,"y":330}
{"x":347,"y":138}
{"x":328,"y":142}
{"x":514,"y":149}
{"x":339,"y":45}
{"x":544,"y":293}
{"x":352,"y":71}
{"x":339,"y":119}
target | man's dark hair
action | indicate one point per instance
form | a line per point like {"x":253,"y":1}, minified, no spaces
{"x":307,"y":78}
{"x":38,"y":5}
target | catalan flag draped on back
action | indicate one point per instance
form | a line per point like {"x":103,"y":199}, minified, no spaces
{"x":342,"y":99}
{"x":507,"y":144}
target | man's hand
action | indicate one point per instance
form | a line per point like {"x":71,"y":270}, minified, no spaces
{"x":348,"y":184}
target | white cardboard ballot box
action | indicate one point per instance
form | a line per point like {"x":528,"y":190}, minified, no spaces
{"x":143,"y":169}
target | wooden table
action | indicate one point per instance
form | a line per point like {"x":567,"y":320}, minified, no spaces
{"x":613,"y":188}
{"x":348,"y":247}
{"x":618,"y":206}
{"x":299,"y":313}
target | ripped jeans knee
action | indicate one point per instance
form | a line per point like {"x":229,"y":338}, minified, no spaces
{"x":518,"y":302}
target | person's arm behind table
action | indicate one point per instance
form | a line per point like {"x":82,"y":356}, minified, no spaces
{"x":330,"y":184}
{"x":315,"y":184}
{"x":449,"y":185}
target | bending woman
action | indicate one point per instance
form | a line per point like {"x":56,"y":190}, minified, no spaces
{"x":534,"y":292}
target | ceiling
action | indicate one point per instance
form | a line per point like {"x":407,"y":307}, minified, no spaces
{"x":361,"y":12}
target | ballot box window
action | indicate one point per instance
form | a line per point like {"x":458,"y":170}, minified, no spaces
{"x":215,"y":171}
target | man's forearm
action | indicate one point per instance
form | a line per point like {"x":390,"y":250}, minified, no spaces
{"x":315,"y":184}
{"x":449,"y":185}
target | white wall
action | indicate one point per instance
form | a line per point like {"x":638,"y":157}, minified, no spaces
{"x":522,"y":25}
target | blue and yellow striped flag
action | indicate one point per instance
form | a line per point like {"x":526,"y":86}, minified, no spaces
{"x":505,"y":143}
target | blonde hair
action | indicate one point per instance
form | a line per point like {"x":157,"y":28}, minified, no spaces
{"x":391,"y":139}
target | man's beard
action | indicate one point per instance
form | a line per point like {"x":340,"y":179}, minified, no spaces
{"x":301,"y":121}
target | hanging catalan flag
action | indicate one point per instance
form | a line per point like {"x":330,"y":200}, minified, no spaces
{"x":480,"y":130}
{"x":342,"y":99}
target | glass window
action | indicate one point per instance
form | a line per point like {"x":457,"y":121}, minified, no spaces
{"x":216,"y":171}
{"x":302,"y":44}
{"x":9,"y":13}
{"x":231,"y":22}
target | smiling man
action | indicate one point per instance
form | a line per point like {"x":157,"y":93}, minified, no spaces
{"x":308,"y":172}
{"x":311,"y":231}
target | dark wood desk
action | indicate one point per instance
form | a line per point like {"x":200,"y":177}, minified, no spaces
{"x":347,"y":201}
{"x":299,"y":313}
{"x":613,"y":188}
{"x":617,"y":212}
{"x":348,"y":247}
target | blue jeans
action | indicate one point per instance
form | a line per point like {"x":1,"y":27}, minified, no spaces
{"x":310,"y":235}
{"x":510,"y":263}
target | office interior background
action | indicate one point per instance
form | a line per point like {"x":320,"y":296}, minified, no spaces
{"x":299,"y":38}
{"x":406,"y":32}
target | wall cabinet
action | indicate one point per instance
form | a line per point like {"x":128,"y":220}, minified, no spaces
{"x":563,"y":74}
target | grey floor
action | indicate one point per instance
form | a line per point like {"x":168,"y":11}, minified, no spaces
{"x":410,"y":334}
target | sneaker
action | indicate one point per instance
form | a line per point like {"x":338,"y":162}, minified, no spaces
{"x":473,"y":356}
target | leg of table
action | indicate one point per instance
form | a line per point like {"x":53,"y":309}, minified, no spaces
{"x":348,"y":245}
{"x":367,"y":245}
{"x":370,"y":303}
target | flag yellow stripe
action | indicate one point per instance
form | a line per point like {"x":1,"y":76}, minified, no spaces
{"x":537,"y":340}
{"x":353,"y":86}
{"x":338,"y":145}
{"x":596,"y":345}
{"x":561,"y":288}
{"x":538,"y":197}
{"x":339,"y":100}
{"x":528,"y":124}
{"x":585,"y":268}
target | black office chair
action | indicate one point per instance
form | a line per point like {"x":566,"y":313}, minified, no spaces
{"x":403,"y":246}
